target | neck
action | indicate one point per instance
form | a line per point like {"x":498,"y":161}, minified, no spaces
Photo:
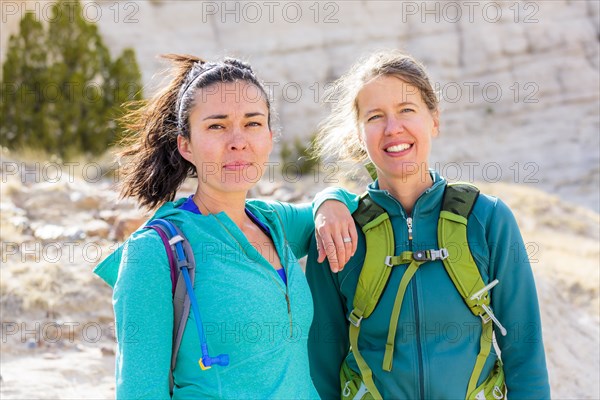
{"x":408,"y":188}
{"x":232,"y":204}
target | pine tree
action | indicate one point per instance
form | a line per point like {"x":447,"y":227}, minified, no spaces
{"x":61,"y":90}
{"x":79,"y":67}
{"x":24,"y":74}
{"x":124,"y":86}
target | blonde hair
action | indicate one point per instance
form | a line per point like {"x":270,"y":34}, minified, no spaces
{"x":338,"y":134}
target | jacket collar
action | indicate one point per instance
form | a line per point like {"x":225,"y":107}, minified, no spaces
{"x":428,"y":201}
{"x":108,"y":268}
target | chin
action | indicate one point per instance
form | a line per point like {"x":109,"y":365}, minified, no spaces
{"x":236,"y":187}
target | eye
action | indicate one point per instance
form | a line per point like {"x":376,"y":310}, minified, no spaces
{"x":215,"y":127}
{"x":254,"y":124}
{"x":374,"y":117}
{"x":406,"y":110}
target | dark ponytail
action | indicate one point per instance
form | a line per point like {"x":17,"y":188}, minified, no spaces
{"x":152,"y":169}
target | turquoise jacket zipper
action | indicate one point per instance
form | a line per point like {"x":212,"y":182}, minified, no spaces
{"x":421,"y":395}
{"x":409,"y":225}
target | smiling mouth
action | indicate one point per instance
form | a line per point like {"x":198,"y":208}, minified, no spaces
{"x":398,"y":148}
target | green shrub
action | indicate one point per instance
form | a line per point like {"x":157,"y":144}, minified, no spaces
{"x":61,"y":91}
{"x":299,"y":154}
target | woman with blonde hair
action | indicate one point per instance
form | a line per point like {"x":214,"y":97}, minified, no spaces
{"x":439,"y":300}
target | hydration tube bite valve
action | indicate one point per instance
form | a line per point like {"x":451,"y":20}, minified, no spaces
{"x":207,"y":361}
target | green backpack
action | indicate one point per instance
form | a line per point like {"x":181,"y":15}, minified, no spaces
{"x":457,"y":204}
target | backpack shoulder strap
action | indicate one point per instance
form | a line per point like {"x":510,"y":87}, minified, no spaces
{"x":375,"y":224}
{"x":457,"y":204}
{"x":171,"y":235}
{"x":459,"y":200}
{"x":379,"y":236}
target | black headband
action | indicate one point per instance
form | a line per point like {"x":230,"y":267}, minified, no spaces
{"x":207,"y":67}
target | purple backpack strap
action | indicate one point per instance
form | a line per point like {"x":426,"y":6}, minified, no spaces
{"x":170,"y":254}
{"x":181,"y":299}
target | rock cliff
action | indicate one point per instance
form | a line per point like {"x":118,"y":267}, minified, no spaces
{"x":519,"y":80}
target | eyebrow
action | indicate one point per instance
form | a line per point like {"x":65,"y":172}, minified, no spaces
{"x":225,"y":116}
{"x":254,"y":114}
{"x":404,"y":103}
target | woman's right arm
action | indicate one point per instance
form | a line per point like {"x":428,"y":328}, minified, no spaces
{"x":143,"y":308}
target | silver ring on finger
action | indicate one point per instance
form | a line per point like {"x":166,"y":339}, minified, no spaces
{"x":347,"y":240}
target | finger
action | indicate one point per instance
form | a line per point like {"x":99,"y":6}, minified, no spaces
{"x":340,"y":250}
{"x":320,"y":250}
{"x":332,"y":256}
{"x":354,"y":236}
{"x":318,"y":244}
{"x":348,"y":243}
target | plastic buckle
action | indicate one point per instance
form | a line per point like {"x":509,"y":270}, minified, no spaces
{"x":175,"y":239}
{"x":388,"y":261}
{"x":354,"y":320}
{"x":484,"y":290}
{"x":346,"y":391}
{"x":420,"y":255}
{"x":430,"y":255}
{"x":183,"y":263}
{"x":490,"y":315}
{"x":485,"y":317}
{"x":497,"y":393}
{"x":440,"y":254}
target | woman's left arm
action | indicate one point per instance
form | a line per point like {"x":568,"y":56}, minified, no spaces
{"x":298,"y":224}
{"x":515,"y":303}
{"x":336,"y":231}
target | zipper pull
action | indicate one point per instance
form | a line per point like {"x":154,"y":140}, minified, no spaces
{"x":409,"y":224}
{"x":287,"y":299}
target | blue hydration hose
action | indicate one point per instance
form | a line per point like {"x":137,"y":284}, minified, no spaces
{"x":206,"y":361}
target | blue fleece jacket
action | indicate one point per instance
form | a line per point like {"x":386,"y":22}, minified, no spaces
{"x":437,"y":340}
{"x":242,"y":303}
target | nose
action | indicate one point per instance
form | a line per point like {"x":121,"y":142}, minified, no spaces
{"x":238,"y":140}
{"x":393,"y":125}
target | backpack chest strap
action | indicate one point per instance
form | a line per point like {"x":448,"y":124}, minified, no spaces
{"x":414,"y":261}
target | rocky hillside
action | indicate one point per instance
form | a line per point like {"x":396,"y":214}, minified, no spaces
{"x":57,"y":316}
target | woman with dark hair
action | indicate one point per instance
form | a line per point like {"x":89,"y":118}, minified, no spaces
{"x":213,"y":121}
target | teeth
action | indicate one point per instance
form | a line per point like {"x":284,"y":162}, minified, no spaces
{"x":397,"y":148}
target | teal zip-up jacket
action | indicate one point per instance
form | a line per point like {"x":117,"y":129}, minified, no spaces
{"x":241,"y":300}
{"x":437,"y":340}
